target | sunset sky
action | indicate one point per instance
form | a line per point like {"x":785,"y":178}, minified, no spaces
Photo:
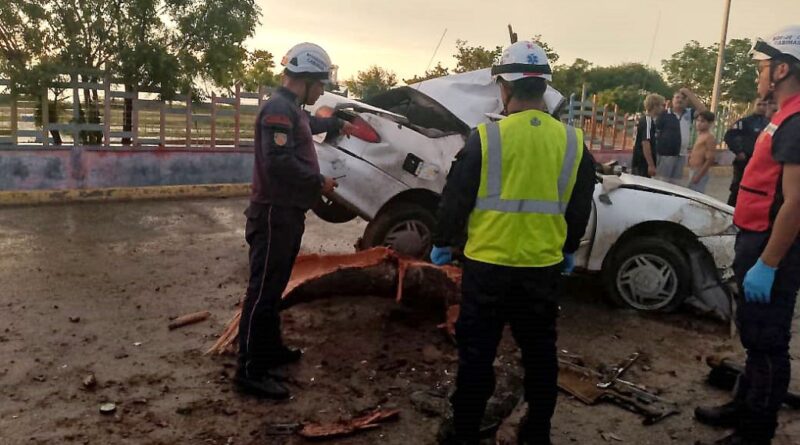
{"x":402,"y":35}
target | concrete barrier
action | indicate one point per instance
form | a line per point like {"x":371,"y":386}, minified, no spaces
{"x":86,"y":168}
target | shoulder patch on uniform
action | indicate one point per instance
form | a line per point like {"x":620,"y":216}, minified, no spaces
{"x":280,"y":139}
{"x":276,"y":120}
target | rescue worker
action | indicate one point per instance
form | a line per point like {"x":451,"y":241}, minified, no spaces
{"x":767,"y":262}
{"x":286,"y":183}
{"x":741,"y":140}
{"x":522,"y":189}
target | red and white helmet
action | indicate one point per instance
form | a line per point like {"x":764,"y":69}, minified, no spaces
{"x":308,"y":59}
{"x":784,"y":42}
{"x":521,"y":60}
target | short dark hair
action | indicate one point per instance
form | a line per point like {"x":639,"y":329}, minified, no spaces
{"x":707,"y":115}
{"x":529,"y":88}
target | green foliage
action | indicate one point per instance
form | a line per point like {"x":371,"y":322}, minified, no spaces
{"x":570,"y":79}
{"x":259,"y":70}
{"x":373,"y":81}
{"x":437,"y":71}
{"x":172,"y":44}
{"x":738,"y":74}
{"x":625,"y":85}
{"x":552,"y":55}
{"x":471,"y":58}
{"x":694,"y":67}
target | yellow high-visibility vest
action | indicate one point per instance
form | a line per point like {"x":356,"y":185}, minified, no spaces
{"x":528,"y":170}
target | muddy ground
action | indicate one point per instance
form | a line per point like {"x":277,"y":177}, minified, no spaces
{"x":90,"y":288}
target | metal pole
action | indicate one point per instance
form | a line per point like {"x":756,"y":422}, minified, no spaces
{"x":720,"y":57}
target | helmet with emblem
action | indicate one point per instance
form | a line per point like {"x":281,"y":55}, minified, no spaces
{"x":783,"y":44}
{"x":308,"y":60}
{"x":522,"y":60}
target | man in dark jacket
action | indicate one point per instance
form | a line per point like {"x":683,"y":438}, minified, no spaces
{"x":522,"y":188}
{"x":741,"y":139}
{"x":286,"y":183}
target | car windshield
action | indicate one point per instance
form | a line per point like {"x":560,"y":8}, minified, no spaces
{"x":423,"y":113}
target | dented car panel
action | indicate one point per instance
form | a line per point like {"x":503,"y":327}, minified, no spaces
{"x":414,"y":156}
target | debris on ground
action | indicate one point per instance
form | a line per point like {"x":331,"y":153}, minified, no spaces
{"x":374,"y":272}
{"x":75,"y":319}
{"x":90,"y":381}
{"x":588,"y":386}
{"x":608,"y":437}
{"x":322,"y":431}
{"x":188,"y":319}
{"x":283,"y":429}
{"x":108,"y":409}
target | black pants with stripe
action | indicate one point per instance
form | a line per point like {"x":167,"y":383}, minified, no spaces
{"x":765,"y":331}
{"x":274,"y":234}
{"x":526,"y":299}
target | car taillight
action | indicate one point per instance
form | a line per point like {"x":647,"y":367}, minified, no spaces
{"x":364,"y":130}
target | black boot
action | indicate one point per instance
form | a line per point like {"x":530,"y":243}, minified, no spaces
{"x":736,"y":439}
{"x":285,"y":356}
{"x":264,"y":386}
{"x":724,"y":416}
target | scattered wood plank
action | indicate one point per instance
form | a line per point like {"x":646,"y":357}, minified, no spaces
{"x":188,"y":319}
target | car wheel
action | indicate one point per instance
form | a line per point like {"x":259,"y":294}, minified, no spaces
{"x":404,"y":227}
{"x":648,"y":274}
{"x":332,"y":212}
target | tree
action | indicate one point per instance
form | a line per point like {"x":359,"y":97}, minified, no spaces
{"x":695,"y":66}
{"x":437,"y":71}
{"x":570,"y":79}
{"x":172,"y":45}
{"x":471,"y":58}
{"x":552,"y":55}
{"x":373,"y":81}
{"x":625,"y":85}
{"x":259,"y":71}
{"x":692,"y":67}
{"x":738,"y":74}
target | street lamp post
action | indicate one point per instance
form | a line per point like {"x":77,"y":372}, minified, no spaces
{"x":720,"y":58}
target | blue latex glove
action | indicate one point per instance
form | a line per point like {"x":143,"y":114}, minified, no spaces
{"x":569,"y":263}
{"x":758,"y":283}
{"x":441,"y":255}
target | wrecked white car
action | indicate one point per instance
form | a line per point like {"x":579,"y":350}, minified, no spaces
{"x":655,"y":244}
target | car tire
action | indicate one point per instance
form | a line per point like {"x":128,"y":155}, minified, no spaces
{"x":648,"y":274}
{"x":332,"y":212}
{"x":405,"y":227}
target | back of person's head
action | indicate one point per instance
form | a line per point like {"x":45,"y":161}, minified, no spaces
{"x":707,"y":116}
{"x":529,"y":88}
{"x":653,"y":101}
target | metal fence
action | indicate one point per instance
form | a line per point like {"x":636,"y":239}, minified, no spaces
{"x":99,"y":120}
{"x":606,"y":128}
{"x":222,"y":122}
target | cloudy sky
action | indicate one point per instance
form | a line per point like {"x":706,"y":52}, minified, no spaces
{"x":402,"y":35}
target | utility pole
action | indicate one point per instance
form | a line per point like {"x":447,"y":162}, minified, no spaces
{"x":720,"y":58}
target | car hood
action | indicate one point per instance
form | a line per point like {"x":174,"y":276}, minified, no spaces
{"x":471,"y":95}
{"x":642,"y":183}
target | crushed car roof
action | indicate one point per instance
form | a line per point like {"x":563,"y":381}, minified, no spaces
{"x":471,"y":95}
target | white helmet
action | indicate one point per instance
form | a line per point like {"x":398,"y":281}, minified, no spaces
{"x":521,"y":60}
{"x":784,"y":42}
{"x":308,"y":59}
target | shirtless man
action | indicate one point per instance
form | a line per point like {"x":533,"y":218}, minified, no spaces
{"x":702,"y":156}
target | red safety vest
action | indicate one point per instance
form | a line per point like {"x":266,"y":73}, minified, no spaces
{"x":760,"y":181}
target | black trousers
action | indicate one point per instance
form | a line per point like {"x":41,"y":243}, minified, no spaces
{"x":274,"y":234}
{"x":525,"y":298}
{"x":738,"y":172}
{"x":765,"y":331}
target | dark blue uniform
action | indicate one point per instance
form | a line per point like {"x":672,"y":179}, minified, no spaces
{"x":286,"y":183}
{"x":741,"y":138}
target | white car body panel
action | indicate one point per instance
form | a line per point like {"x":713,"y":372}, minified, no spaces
{"x":374,"y":174}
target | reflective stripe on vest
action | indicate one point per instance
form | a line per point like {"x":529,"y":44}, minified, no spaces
{"x":529,"y":167}
{"x":759,"y":185}
{"x":494,"y":178}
